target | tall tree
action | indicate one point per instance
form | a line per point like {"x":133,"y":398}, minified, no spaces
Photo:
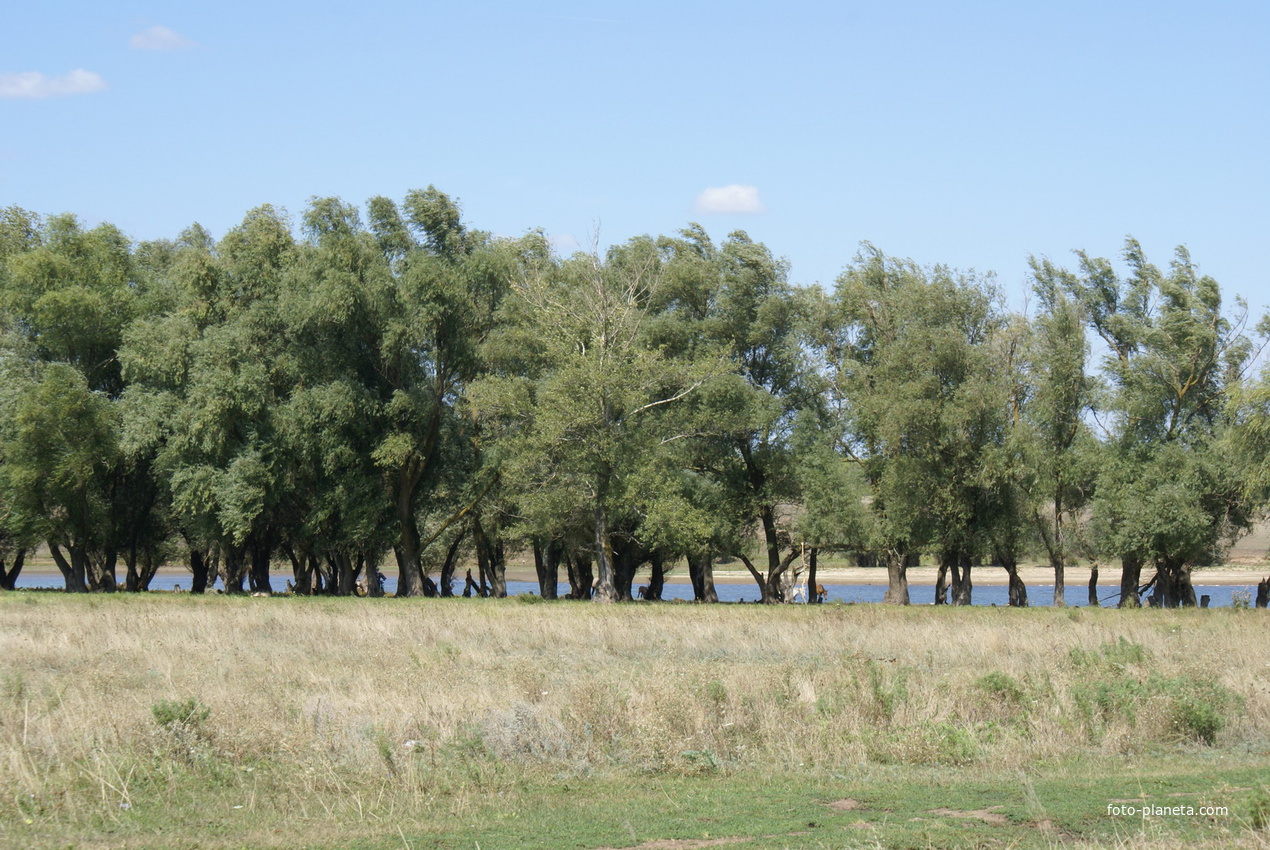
{"x":1167,"y":496}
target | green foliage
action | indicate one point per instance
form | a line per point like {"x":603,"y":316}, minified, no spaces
{"x":1259,"y":808}
{"x":188,"y":713}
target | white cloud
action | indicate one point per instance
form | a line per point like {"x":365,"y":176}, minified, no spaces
{"x":730,"y":199}
{"x":35,"y":84}
{"x":159,"y":38}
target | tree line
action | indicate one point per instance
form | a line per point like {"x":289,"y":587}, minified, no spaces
{"x":391,"y":383}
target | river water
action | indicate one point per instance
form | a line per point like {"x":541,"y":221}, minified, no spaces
{"x":1037,"y":594}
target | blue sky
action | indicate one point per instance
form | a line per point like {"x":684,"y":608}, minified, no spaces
{"x":966,"y":133}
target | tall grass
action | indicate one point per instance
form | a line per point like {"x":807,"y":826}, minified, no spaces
{"x":322,"y":711}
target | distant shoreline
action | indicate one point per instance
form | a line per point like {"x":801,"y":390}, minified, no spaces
{"x":1074,"y":577}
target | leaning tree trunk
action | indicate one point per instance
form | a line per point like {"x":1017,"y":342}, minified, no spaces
{"x":446,"y":585}
{"x":9,"y":577}
{"x":1130,"y":577}
{"x":941,"y":583}
{"x":896,"y":577}
{"x":1093,"y":585}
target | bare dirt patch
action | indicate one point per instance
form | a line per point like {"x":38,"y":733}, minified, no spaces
{"x":847,"y":805}
{"x":985,"y":815}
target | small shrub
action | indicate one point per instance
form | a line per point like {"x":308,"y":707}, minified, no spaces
{"x":187,"y":713}
{"x":1199,"y":708}
{"x":1004,"y":688}
{"x":1241,"y":599}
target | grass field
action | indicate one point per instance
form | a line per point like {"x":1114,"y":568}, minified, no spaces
{"x":165,"y":720}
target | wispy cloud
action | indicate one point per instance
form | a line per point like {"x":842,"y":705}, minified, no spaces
{"x":735,"y":198}
{"x":34,"y":84}
{"x":159,"y":38}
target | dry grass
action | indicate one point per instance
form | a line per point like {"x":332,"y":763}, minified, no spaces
{"x":357,"y":711}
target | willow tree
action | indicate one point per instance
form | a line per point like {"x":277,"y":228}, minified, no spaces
{"x":578,"y":391}
{"x":1168,"y":494}
{"x":919,"y":406}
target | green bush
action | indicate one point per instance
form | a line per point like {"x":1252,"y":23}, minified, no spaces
{"x":188,"y":713}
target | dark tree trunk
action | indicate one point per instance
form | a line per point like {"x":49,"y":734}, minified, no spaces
{"x":74,"y":570}
{"x":701,"y":571}
{"x":657,"y":577}
{"x":758,"y":577}
{"x":101,"y":574}
{"x":1093,"y":586}
{"x":407,"y":549}
{"x":581,"y":576}
{"x":233,"y":571}
{"x":1018,"y":590}
{"x":1263,"y":593}
{"x":198,"y":570}
{"x":9,"y":577}
{"x":896,"y":577}
{"x":1173,"y":584}
{"x":775,"y":568}
{"x":261,"y":553}
{"x":451,"y":563}
{"x":1130,"y":576}
{"x":491,"y":560}
{"x":941,"y":583}
{"x":627,"y":555}
{"x":549,"y":578}
{"x":813,"y":592}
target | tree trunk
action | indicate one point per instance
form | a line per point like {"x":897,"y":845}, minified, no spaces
{"x":1093,"y":586}
{"x":772,"y":587}
{"x":941,"y":583}
{"x":962,"y":587}
{"x":72,"y":569}
{"x":701,"y":571}
{"x":1263,"y":593}
{"x":9,"y":577}
{"x":1018,"y":590}
{"x":896,"y":577}
{"x":198,"y":570}
{"x":261,"y":554}
{"x":1130,"y":576}
{"x":451,"y":563}
{"x":626,"y":559}
{"x":1060,"y":589}
{"x":812,"y":595}
{"x":657,"y":576}
{"x":549,"y":578}
{"x":604,"y":590}
{"x":581,"y":577}
{"x":1173,"y":584}
{"x":758,"y":577}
